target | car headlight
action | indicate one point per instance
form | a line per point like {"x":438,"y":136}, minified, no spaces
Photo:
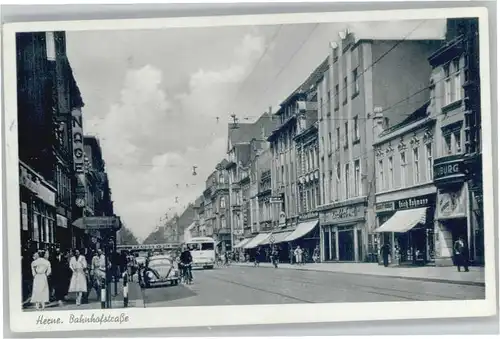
{"x":150,"y":275}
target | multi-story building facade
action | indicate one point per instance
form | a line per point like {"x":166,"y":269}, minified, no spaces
{"x":361,"y":76}
{"x":405,"y":197}
{"x":262,"y":217}
{"x":457,"y":167}
{"x":47,"y":93}
{"x":216,"y":207}
{"x":98,"y":192}
{"x":240,"y":136}
{"x":293,"y":193}
{"x":199,"y":209}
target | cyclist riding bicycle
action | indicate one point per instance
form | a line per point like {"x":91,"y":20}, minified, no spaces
{"x":185,"y":264}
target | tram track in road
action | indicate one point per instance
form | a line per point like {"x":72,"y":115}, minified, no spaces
{"x":365,"y":287}
{"x":283,"y":295}
{"x":408,"y":298}
{"x":383,"y":291}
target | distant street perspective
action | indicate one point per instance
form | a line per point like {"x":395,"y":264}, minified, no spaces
{"x":239,"y":166}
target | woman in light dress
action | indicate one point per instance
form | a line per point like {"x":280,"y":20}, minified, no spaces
{"x":78,"y":283}
{"x":40,"y":267}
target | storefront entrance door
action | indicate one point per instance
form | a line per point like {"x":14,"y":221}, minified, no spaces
{"x":346,"y":244}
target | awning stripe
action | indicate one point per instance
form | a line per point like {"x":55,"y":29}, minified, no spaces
{"x":242,"y":243}
{"x":278,"y":237}
{"x":301,"y":230}
{"x":256,"y":240}
{"x":403,"y":221}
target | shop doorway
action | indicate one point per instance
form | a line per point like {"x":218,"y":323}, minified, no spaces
{"x":346,"y":244}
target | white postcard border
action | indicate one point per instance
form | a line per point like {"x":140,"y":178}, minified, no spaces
{"x":21,"y":321}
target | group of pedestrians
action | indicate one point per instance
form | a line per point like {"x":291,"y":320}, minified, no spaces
{"x":55,"y":275}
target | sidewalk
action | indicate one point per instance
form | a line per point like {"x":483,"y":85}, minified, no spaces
{"x":135,"y":299}
{"x":427,"y":273}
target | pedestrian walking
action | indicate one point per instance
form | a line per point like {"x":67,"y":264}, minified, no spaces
{"x":461,"y":254}
{"x":59,"y":267}
{"x":291,"y":254}
{"x":385,"y":250}
{"x":41,"y":270}
{"x":78,"y":283}
{"x":298,"y":255}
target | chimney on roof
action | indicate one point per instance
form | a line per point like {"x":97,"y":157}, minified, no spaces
{"x":378,"y":121}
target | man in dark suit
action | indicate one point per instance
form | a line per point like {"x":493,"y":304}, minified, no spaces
{"x":60,"y":275}
{"x":461,"y":252}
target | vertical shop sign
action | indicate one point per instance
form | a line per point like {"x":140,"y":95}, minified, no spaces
{"x":77,"y":130}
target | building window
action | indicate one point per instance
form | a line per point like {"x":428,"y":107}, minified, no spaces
{"x":329,"y":141}
{"x":328,"y":110}
{"x":428,"y":151}
{"x":330,"y":186}
{"x":50,"y":44}
{"x":222,"y":202}
{"x":390,"y":180}
{"x":337,"y":185}
{"x":347,"y":176}
{"x":457,"y":80}
{"x":357,"y":178}
{"x":447,"y":85}
{"x":381,"y":178}
{"x":323,"y":191}
{"x":337,"y":141}
{"x":447,"y":144}
{"x":458,"y":141}
{"x":356,"y":128}
{"x":402,"y":156}
{"x":346,"y":132}
{"x":416,"y":166}
{"x":345,"y":90}
{"x":317,"y":189}
{"x":337,"y":94}
{"x":355,"y":81}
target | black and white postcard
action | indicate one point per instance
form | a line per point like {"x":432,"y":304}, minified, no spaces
{"x":285,"y":168}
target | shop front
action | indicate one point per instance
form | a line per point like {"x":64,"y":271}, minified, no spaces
{"x":342,"y":232}
{"x":453,"y":215}
{"x":407,"y":227}
{"x":452,"y":223}
{"x":38,"y":211}
{"x":306,"y":235}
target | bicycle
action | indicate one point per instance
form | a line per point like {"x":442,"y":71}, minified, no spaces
{"x":187,"y":275}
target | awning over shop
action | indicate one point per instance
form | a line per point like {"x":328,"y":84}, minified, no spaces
{"x":256,"y":240}
{"x":242,"y":243}
{"x":276,"y":238}
{"x":403,"y":221}
{"x":301,"y":230}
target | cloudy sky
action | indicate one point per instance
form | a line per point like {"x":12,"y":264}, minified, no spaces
{"x":153,"y":98}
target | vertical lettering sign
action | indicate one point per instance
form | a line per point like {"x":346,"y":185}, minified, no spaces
{"x":77,"y":130}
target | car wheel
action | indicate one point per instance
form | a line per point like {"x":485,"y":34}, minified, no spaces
{"x":210,"y":267}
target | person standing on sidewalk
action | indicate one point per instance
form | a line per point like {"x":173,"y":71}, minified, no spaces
{"x":461,"y":254}
{"x":41,"y":270}
{"x":257,"y":257}
{"x":298,"y":255}
{"x":59,"y":276}
{"x":316,"y":254}
{"x":78,"y":283}
{"x":385,"y":250}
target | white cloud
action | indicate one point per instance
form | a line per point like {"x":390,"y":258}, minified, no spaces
{"x":151,"y":140}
